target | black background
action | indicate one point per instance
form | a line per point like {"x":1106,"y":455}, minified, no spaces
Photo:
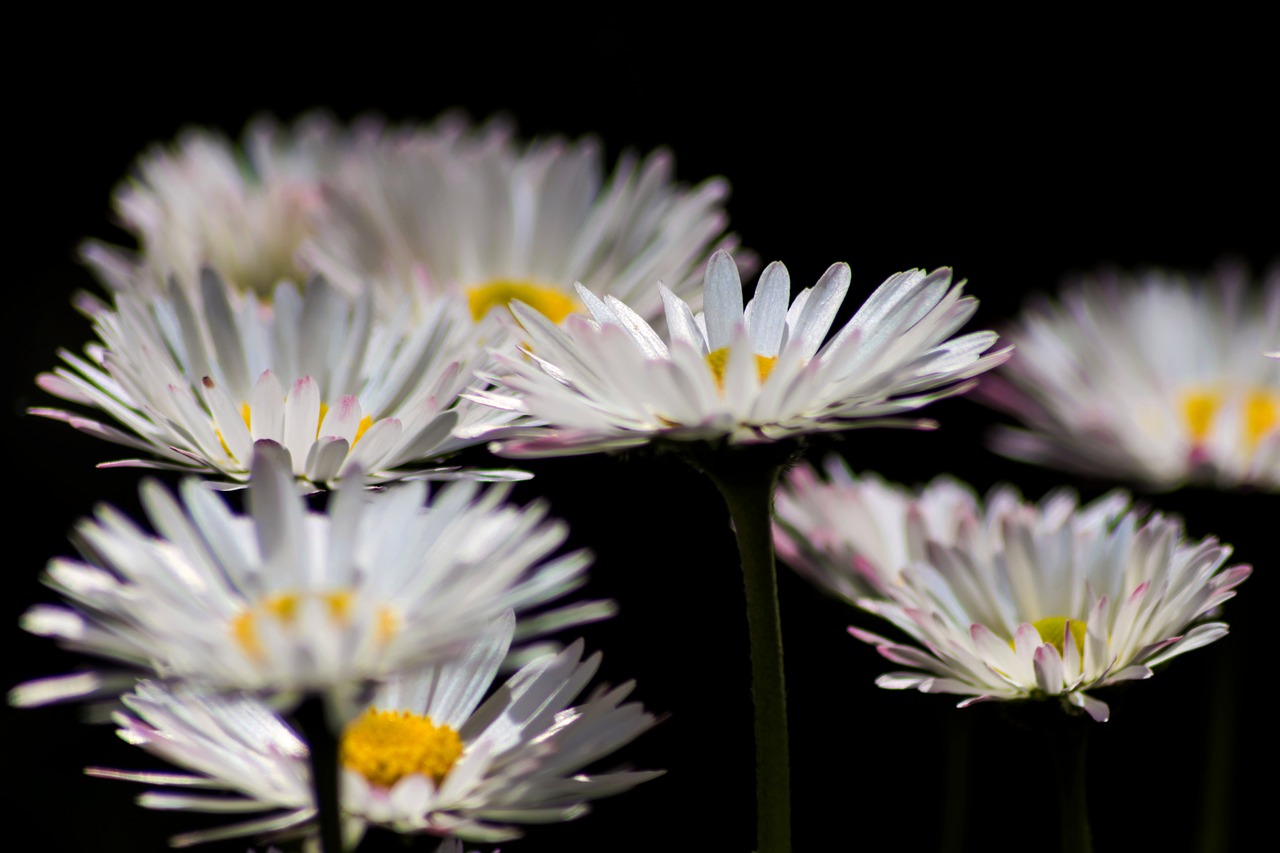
{"x":1014,"y":159}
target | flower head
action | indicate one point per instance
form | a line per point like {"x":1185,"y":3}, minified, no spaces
{"x":427,"y":756}
{"x":285,"y":599}
{"x":246,"y":211}
{"x":456,"y":209}
{"x":195,"y":384}
{"x":1010,"y":600}
{"x":756,"y":375}
{"x":1156,"y":380}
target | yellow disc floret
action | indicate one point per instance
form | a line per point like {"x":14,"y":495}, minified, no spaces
{"x":718,"y":360}
{"x":1198,"y":411}
{"x":553,"y":303}
{"x":386,"y":746}
{"x":1261,"y":415}
{"x":282,"y":608}
{"x":1053,"y":630}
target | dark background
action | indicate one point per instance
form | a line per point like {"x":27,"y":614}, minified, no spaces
{"x":1015,"y":160}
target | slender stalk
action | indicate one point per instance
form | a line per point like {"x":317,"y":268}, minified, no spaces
{"x":1215,"y":799}
{"x":748,"y":491}
{"x":1069,"y":768}
{"x":956,"y":807}
{"x":322,"y":745}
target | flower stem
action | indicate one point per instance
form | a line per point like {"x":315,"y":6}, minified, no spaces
{"x":1069,"y":768}
{"x":312,"y":718}
{"x":748,"y":491}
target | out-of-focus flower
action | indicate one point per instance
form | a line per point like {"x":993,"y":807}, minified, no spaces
{"x":195,"y":384}
{"x":1154,"y":379}
{"x":456,"y":209}
{"x":425,"y":757}
{"x":1012,"y":600}
{"x":285,"y":600}
{"x":608,"y":381}
{"x":247,"y":211}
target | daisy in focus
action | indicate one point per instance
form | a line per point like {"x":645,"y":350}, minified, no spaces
{"x":608,"y":381}
{"x":1155,"y":379}
{"x":195,"y":381}
{"x":455,"y":209}
{"x":1009,"y":600}
{"x":285,"y":600}
{"x":426,"y":756}
{"x":247,"y":211}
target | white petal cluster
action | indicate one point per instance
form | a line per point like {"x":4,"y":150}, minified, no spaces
{"x":1156,"y":380}
{"x":1010,"y":600}
{"x":762,"y":374}
{"x":457,"y":209}
{"x":194,"y":382}
{"x":524,"y":750}
{"x":285,"y":599}
{"x":248,"y":211}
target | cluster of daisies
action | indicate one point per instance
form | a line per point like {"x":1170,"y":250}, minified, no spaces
{"x":341,"y":310}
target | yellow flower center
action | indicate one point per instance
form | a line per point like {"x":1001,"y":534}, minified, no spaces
{"x":718,"y":360}
{"x":1260,"y":413}
{"x":386,"y":746}
{"x":555,"y":304}
{"x":246,"y":412}
{"x":1053,"y":630}
{"x":282,"y":608}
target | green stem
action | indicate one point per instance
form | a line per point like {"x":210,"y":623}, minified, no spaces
{"x":748,"y":491}
{"x":312,"y":718}
{"x":1069,"y":768}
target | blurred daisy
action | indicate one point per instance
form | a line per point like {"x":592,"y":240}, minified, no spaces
{"x":456,"y":209}
{"x":286,"y":600}
{"x":849,"y":533}
{"x":1156,"y":380}
{"x":1012,"y":600}
{"x":608,"y":381}
{"x":245,"y":210}
{"x":194,"y":385}
{"x":427,"y":756}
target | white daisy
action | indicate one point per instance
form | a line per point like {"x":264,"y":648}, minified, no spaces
{"x":284,"y":599}
{"x":1156,"y":380}
{"x":609,"y":381}
{"x":247,"y":211}
{"x":196,"y":384}
{"x":427,"y":756}
{"x":451,"y":208}
{"x":1012,"y":600}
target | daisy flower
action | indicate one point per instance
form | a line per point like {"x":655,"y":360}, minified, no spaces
{"x":1010,"y":600}
{"x":608,"y":381}
{"x":426,"y":756}
{"x":286,"y":600}
{"x":456,"y":209}
{"x":245,"y":210}
{"x":195,"y":383}
{"x":1154,"y":379}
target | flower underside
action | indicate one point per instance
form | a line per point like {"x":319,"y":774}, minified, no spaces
{"x":553,"y":303}
{"x":386,"y":746}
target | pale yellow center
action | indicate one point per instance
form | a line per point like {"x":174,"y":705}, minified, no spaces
{"x":718,"y":360}
{"x":386,"y":746}
{"x":282,"y":609}
{"x":553,"y":303}
{"x":1053,"y":630}
{"x":1260,"y":413}
{"x":246,"y":412}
